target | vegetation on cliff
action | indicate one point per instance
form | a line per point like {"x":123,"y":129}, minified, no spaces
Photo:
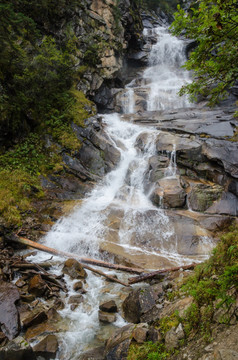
{"x":214,"y":27}
{"x":38,"y":98}
{"x":214,"y":289}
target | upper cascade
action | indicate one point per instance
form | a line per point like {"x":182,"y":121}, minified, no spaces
{"x":158,"y":87}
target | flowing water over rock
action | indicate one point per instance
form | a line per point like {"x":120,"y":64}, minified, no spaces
{"x":131,"y":215}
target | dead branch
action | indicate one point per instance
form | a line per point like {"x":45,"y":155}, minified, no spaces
{"x":150,"y":275}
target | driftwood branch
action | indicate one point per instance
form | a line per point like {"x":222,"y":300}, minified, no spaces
{"x":75,"y":256}
{"x":150,"y":275}
{"x":49,"y":250}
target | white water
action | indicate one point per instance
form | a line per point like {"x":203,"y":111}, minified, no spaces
{"x":143,"y":228}
{"x":164,"y":75}
{"x":172,"y":168}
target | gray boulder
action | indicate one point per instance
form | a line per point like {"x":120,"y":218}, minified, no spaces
{"x":138,"y":303}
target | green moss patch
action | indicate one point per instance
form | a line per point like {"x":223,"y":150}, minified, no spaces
{"x":147,"y":351}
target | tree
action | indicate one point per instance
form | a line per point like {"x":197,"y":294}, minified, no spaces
{"x":36,"y":71}
{"x":214,"y":27}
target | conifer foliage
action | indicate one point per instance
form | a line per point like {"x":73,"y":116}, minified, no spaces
{"x":36,"y":70}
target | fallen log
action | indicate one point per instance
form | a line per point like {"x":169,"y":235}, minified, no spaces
{"x":49,"y":250}
{"x":75,"y":256}
{"x":150,"y":275}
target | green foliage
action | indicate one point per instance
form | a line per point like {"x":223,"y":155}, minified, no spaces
{"x":91,"y":55}
{"x":36,"y":73}
{"x":30,"y":157}
{"x":168,"y":322}
{"x":17,"y":190}
{"x":147,"y":351}
{"x":213,"y":286}
{"x":214,"y":26}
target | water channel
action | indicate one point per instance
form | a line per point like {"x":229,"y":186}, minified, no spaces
{"x":118,"y":216}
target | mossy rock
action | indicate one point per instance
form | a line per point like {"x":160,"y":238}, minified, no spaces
{"x":202,"y":196}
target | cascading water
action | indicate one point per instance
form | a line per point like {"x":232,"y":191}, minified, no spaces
{"x":172,"y":168}
{"x":164,"y":75}
{"x":142,"y":232}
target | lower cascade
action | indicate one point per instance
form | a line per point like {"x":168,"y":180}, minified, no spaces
{"x":139,"y":213}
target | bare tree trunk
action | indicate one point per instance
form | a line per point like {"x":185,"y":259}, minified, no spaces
{"x":143,"y":277}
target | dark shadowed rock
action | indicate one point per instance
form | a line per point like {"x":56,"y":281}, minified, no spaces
{"x":74,"y":269}
{"x":47,"y":348}
{"x":154,"y":335}
{"x":3,"y":339}
{"x":17,"y":349}
{"x":109,"y":306}
{"x":9,"y":318}
{"x":138,"y":303}
{"x":150,"y":315}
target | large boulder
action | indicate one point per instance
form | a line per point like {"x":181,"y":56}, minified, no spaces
{"x":138,"y":303}
{"x":117,"y":346}
{"x":202,"y":196}
{"x":9,"y":318}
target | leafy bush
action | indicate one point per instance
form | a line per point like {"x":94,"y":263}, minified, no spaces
{"x":214,"y":26}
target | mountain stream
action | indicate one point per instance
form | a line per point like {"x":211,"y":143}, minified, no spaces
{"x":118,"y":219}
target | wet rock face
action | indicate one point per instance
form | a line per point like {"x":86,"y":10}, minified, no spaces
{"x":138,"y":303}
{"x":98,"y":154}
{"x":9,"y":318}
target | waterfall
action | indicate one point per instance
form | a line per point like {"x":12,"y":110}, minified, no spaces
{"x":143,"y":232}
{"x":164,"y":75}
